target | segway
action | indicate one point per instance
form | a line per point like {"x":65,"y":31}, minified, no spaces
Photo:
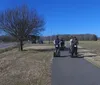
{"x":74,"y":51}
{"x":62,"y":48}
{"x":57,"y":51}
{"x":62,"y":45}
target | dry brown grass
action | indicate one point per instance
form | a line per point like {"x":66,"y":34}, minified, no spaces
{"x":25,"y":68}
{"x":7,"y":49}
{"x":93,"y":47}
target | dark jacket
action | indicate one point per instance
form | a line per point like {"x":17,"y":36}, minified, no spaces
{"x":75,"y":42}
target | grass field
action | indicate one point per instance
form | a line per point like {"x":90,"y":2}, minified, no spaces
{"x":93,"y":46}
{"x":25,"y":68}
{"x":33,"y":65}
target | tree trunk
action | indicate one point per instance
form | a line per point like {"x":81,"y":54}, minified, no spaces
{"x":21,"y":45}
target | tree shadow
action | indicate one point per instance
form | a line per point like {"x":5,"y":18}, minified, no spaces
{"x":81,"y":48}
{"x":77,"y":56}
{"x":39,"y":50}
{"x":60,"y":56}
{"x":88,"y":55}
{"x":84,"y":51}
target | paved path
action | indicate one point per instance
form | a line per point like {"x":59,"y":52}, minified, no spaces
{"x":74,"y":71}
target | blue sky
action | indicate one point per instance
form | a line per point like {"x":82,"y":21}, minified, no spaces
{"x":64,"y":16}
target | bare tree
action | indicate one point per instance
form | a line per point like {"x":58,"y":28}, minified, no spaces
{"x":20,"y":22}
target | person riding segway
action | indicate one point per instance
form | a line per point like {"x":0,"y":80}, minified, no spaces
{"x":57,"y":46}
{"x":70,"y":42}
{"x":62,"y":44}
{"x":74,"y":46}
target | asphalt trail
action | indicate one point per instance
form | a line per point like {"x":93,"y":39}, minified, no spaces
{"x":74,"y":71}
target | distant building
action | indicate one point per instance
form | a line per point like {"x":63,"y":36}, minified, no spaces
{"x":33,"y":38}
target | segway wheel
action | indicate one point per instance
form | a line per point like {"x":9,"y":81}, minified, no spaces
{"x":58,"y":54}
{"x":54,"y":54}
